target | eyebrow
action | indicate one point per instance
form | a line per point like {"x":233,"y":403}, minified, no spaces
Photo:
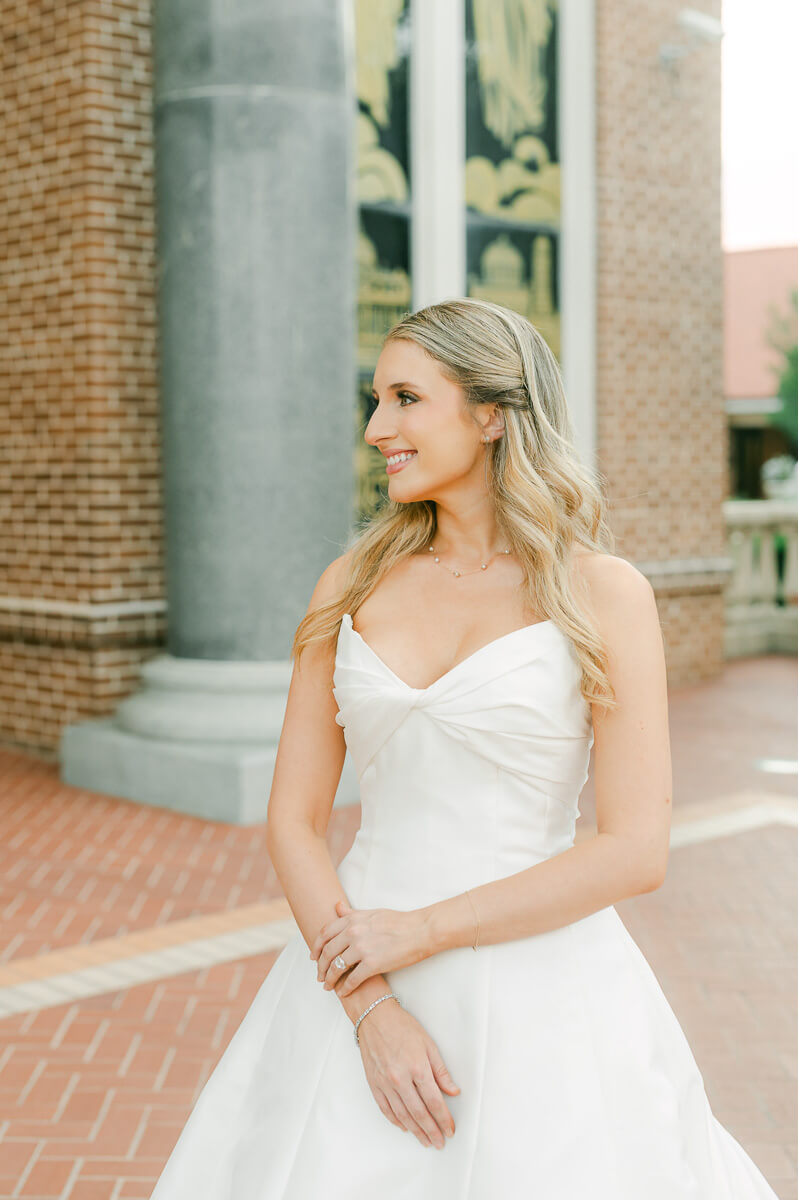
{"x":395,"y":386}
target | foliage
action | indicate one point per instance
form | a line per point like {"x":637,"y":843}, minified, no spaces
{"x":784,"y":338}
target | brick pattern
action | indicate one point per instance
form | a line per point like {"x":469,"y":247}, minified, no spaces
{"x":720,"y":938}
{"x":719,"y":730}
{"x":662,"y":434}
{"x":93,"y":1094}
{"x":693,"y":626}
{"x":81,"y":501}
{"x":76,"y":867}
{"x":80,"y":498}
{"x":230,"y":926}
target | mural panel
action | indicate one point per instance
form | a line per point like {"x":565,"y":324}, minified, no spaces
{"x":512,"y":160}
{"x":382,"y":31}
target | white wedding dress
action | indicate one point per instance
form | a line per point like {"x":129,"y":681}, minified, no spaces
{"x":576,"y":1078}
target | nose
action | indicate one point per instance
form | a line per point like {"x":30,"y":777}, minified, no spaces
{"x":376,"y":432}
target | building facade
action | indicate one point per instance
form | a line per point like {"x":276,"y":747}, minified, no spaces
{"x":554,"y":157}
{"x":760,"y":322}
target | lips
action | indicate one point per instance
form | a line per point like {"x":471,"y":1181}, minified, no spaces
{"x":393,"y":467}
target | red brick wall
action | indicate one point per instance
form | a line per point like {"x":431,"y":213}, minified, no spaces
{"x":80,"y":484}
{"x":662,"y":431}
{"x":80,"y":494}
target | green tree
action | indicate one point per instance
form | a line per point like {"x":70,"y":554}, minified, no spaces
{"x":784,"y":338}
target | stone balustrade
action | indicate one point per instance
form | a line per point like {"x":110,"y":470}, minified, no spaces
{"x":762,"y":594}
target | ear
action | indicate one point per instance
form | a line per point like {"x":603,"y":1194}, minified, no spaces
{"x":495,"y":425}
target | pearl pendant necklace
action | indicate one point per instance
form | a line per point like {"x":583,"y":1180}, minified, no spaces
{"x":481,"y":567}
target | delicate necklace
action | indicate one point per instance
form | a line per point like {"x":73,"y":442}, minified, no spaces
{"x":482,"y":567}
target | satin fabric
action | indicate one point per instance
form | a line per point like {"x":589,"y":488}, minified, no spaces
{"x":576,"y":1078}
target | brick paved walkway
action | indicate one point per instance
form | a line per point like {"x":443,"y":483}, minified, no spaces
{"x":94,"y":1090}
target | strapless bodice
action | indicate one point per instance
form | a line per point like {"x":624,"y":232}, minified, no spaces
{"x":469,"y":779}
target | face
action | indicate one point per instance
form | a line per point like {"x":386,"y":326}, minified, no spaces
{"x":420,"y":411}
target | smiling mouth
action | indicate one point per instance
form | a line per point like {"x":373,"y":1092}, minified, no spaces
{"x":396,"y":462}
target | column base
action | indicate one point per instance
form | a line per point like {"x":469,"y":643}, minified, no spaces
{"x":200,"y":738}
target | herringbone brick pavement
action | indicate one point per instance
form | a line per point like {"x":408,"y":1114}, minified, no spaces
{"x":77,"y":866}
{"x":93,"y":1093}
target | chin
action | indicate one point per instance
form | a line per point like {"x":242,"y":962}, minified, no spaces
{"x":407,"y":498}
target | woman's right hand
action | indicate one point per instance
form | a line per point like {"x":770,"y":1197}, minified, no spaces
{"x":406,"y":1073}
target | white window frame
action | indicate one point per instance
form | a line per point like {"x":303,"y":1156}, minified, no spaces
{"x":437,"y":149}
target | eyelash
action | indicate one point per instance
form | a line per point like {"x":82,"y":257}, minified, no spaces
{"x":413,"y":399}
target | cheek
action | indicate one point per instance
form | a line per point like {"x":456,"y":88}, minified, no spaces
{"x":436,"y":435}
{"x":445,"y":448}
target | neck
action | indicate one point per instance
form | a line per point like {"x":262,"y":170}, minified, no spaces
{"x":466,"y":542}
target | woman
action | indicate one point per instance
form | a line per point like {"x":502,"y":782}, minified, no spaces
{"x":502,"y":1013}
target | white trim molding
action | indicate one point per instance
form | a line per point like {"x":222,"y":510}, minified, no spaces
{"x":85,"y":610}
{"x":579,"y":223}
{"x":437,"y":151}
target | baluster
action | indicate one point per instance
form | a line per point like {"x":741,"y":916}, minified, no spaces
{"x":790,"y":532}
{"x":748,"y":594}
{"x":735,"y":594}
{"x":768,"y":568}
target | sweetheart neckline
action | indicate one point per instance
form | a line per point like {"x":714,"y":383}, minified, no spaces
{"x":503,"y":637}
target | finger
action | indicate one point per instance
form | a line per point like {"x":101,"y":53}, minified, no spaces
{"x":328,"y":930}
{"x":407,"y":1119}
{"x":362,"y":971}
{"x":403,"y":1119}
{"x":421,"y":1114}
{"x":431,"y":1095}
{"x":382,"y":1101}
{"x":318,"y":942}
{"x":359,"y":975}
{"x":334,"y":972}
{"x":328,"y":972}
{"x":328,"y":953}
{"x":440,"y":1071}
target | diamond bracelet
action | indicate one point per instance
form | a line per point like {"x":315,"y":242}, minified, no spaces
{"x":387,"y":996}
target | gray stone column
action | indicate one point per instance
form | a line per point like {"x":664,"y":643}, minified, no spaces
{"x":254,"y":107}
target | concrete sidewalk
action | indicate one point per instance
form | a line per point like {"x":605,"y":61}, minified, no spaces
{"x":135,"y":940}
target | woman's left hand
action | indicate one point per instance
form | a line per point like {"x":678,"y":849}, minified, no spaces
{"x":370,"y":940}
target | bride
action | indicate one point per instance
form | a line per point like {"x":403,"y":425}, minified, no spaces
{"x":463,"y":975}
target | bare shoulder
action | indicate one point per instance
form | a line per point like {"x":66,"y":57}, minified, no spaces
{"x":332,"y":580}
{"x":620,"y":596}
{"x":623,"y":606}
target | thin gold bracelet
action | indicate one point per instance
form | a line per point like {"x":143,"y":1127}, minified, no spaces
{"x":476,"y":939}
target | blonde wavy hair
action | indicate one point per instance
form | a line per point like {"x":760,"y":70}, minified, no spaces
{"x":547,"y":501}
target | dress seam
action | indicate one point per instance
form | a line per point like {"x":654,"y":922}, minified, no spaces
{"x":609,"y":1133}
{"x":655,"y":991}
{"x":286,"y":1182}
{"x":372,"y":833}
{"x":194,"y":1113}
{"x":488,"y":1002}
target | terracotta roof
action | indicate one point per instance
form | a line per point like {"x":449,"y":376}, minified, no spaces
{"x":754,"y":282}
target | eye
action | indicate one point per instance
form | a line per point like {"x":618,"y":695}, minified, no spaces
{"x":373,"y":401}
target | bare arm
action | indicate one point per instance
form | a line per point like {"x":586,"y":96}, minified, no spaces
{"x":403,"y":1065}
{"x":633,"y":781}
{"x":302,"y":794}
